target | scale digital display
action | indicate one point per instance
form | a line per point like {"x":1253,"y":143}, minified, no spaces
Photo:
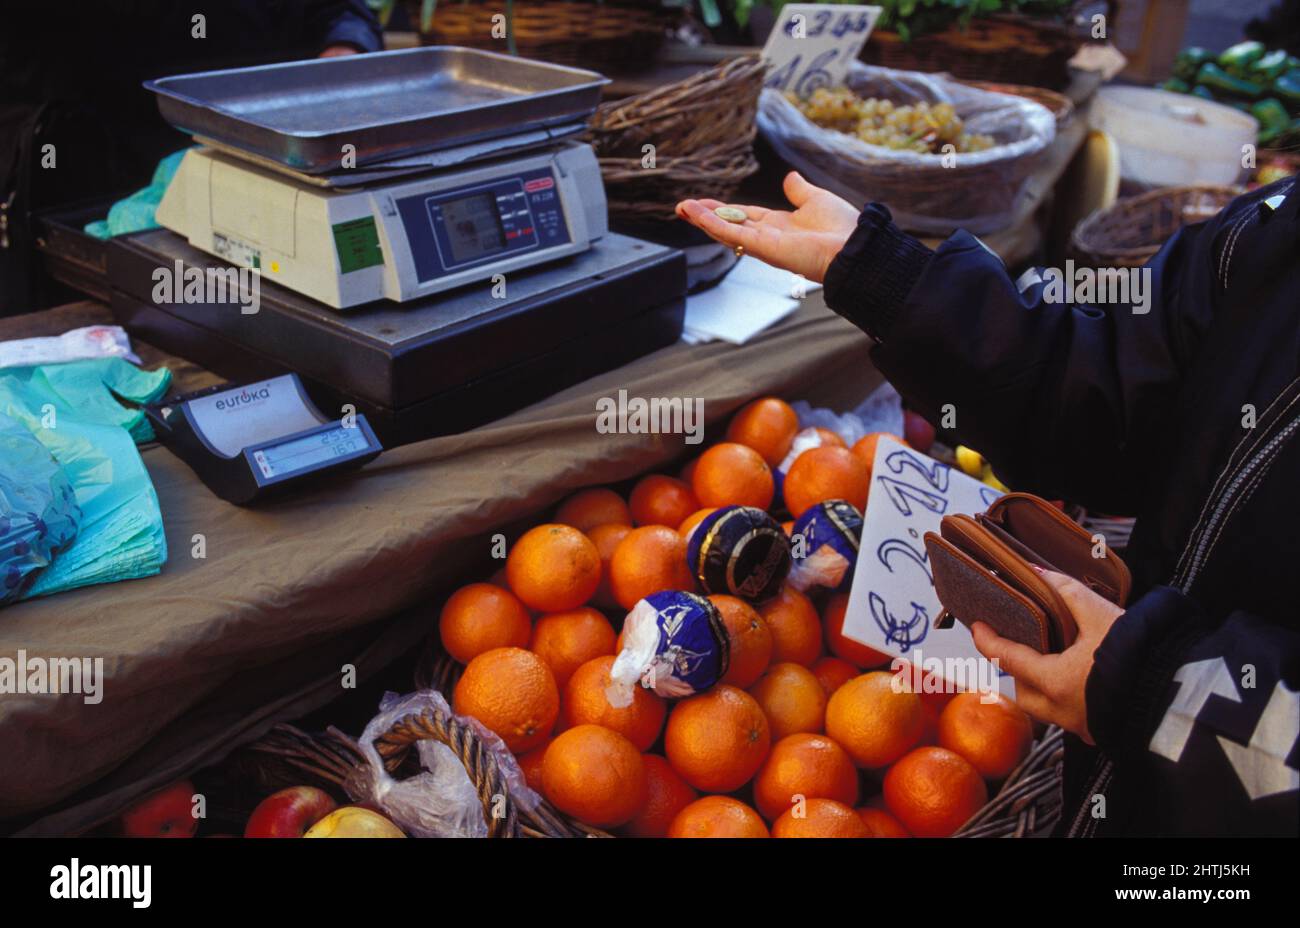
{"x":450,"y":231}
{"x":473,"y":227}
{"x":304,"y":453}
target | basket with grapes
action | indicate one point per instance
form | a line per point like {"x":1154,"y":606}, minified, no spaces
{"x":941,"y":154}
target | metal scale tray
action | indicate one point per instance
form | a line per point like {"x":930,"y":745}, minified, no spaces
{"x":388,"y":105}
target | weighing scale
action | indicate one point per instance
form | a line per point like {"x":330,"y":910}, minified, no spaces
{"x":249,"y":442}
{"x":431,"y":238}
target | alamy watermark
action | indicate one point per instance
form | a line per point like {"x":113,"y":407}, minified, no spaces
{"x":239,"y":286}
{"x":660,"y":415}
{"x":1120,"y":286}
{"x":921,"y":674}
{"x":53,"y":676}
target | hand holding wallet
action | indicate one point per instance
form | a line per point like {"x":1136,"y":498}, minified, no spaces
{"x":982,"y":570}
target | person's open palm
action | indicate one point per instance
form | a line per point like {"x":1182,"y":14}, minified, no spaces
{"x":804,"y":241}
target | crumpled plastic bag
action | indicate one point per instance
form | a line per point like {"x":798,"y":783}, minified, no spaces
{"x":881,"y":411}
{"x":978,"y":192}
{"x":39,"y":516}
{"x":440,"y":801}
{"x":135,"y":213}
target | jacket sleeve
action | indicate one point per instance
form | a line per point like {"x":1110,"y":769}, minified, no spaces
{"x":1203,"y":716}
{"x":1037,"y":383}
{"x":343,"y":22}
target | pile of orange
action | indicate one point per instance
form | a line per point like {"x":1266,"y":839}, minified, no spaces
{"x":803,"y":737}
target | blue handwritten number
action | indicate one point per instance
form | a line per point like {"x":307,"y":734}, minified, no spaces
{"x":816,"y":75}
{"x":898,"y":545}
{"x":906,"y":633}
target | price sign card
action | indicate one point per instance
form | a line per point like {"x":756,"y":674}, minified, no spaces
{"x":893,"y":604}
{"x":813,"y":44}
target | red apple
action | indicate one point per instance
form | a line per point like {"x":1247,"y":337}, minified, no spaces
{"x":289,"y":813}
{"x":916,"y":431}
{"x":168,"y":813}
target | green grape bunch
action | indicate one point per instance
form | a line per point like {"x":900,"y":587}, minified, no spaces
{"x":919,"y":127}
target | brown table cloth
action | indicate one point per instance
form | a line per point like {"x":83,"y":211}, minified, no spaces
{"x":213,"y":651}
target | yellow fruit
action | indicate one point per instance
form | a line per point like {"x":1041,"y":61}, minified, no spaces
{"x":354,"y":822}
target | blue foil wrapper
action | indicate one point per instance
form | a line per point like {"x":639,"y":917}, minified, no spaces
{"x":740,"y":551}
{"x":674,"y":643}
{"x":832,"y":532}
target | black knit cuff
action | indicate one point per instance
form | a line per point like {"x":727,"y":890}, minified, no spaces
{"x":870,"y":278}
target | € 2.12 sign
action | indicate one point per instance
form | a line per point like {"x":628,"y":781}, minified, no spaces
{"x":893,"y":604}
{"x":813,"y":44}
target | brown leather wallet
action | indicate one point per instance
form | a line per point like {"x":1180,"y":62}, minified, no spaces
{"x":982,"y":573}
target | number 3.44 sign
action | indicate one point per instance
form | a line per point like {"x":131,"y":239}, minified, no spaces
{"x":813,"y":44}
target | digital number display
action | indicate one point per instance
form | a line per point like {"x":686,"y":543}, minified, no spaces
{"x":307,"y":452}
{"x":473,"y":227}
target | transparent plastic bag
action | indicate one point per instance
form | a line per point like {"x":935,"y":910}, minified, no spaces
{"x":978,"y":192}
{"x":39,"y":515}
{"x":440,"y":801}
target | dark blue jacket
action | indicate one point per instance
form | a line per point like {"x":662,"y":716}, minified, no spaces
{"x":1185,"y":416}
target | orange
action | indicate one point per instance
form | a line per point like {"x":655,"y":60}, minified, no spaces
{"x":480,"y":617}
{"x":807,"y":766}
{"x":796,"y":629}
{"x":822,"y":473}
{"x":694,"y":519}
{"x":882,"y":824}
{"x":718,"y":739}
{"x":828,"y":437}
{"x":852,"y":651}
{"x":821,"y":818}
{"x":585,"y":703}
{"x":666,"y":795}
{"x":553,"y":568}
{"x":567,"y":640}
{"x":731,"y":474}
{"x":994,"y":736}
{"x":660,"y":500}
{"x":586,"y":509}
{"x":750,"y":640}
{"x":717,"y":817}
{"x":871,"y":721}
{"x":530,"y":765}
{"x":833,"y":672}
{"x":788,"y":526}
{"x":865,"y":447}
{"x":513,"y":693}
{"x":595,"y":775}
{"x":687,"y":474}
{"x":933,"y":792}
{"x":606,"y":538}
{"x":792,"y":699}
{"x":767,"y":425}
{"x":650,"y":559}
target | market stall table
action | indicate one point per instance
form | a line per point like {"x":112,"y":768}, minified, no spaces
{"x":213,"y":651}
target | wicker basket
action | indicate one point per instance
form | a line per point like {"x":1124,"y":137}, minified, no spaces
{"x":1129,"y":232}
{"x":332,"y":760}
{"x":702,"y":130}
{"x":1004,"y":47}
{"x":606,"y":36}
{"x":1061,"y":106}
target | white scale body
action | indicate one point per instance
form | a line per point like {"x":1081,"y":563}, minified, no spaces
{"x":399,"y":240}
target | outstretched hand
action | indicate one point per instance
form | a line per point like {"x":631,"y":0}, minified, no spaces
{"x":804,"y":241}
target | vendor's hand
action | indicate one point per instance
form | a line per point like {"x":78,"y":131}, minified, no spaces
{"x":804,"y":241}
{"x":336,"y":51}
{"x":1050,"y":687}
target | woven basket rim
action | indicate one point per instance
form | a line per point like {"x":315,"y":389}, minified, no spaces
{"x":1088,"y":236}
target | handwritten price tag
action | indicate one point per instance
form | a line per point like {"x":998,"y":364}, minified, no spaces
{"x":813,"y":44}
{"x":893,"y":604}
